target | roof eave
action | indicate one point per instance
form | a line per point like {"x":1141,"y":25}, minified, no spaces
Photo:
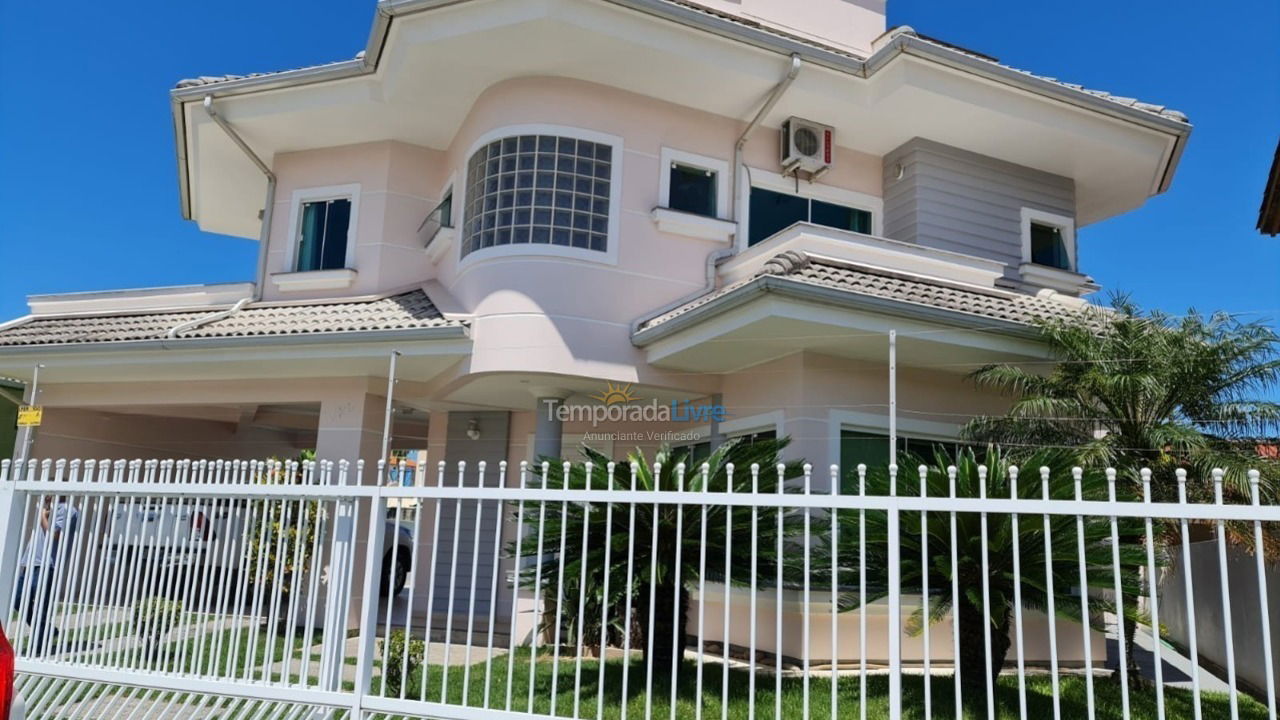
{"x":911,"y":45}
{"x":449,"y":332}
{"x":827,"y":296}
{"x":900,"y":44}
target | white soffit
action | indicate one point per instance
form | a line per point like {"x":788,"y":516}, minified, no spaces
{"x":436,"y":64}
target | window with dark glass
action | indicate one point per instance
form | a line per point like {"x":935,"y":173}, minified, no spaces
{"x":540,"y":189}
{"x":755,"y":437}
{"x":322,"y":235}
{"x":692,"y":190}
{"x":700,"y":451}
{"x":446,"y":209}
{"x":1048,"y":247}
{"x":693,"y":455}
{"x":872,"y":449}
{"x":772,"y":212}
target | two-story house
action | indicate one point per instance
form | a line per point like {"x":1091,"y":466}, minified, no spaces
{"x":624,"y":222}
{"x":723,"y":202}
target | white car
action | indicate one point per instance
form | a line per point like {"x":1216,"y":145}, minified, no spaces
{"x":171,"y":534}
{"x":168,"y":534}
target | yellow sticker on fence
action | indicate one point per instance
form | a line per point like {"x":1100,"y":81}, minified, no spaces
{"x":30,"y":415}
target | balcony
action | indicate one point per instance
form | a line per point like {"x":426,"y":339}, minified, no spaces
{"x":869,"y":250}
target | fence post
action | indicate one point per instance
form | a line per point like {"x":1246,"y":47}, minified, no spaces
{"x":11,"y":510}
{"x":369,"y":600}
{"x":337,"y":593}
{"x":895,"y":599}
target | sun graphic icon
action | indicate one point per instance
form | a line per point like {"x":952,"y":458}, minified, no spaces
{"x":615,"y":394}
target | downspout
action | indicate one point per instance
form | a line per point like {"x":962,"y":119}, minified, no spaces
{"x":268,"y":208}
{"x":206,"y":319}
{"x":714,"y":259}
{"x":772,"y":100}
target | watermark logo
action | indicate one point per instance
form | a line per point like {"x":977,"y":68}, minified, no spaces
{"x":617,"y":403}
{"x":616,"y":394}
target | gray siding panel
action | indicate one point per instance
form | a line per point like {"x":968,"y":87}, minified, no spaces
{"x":953,"y":199}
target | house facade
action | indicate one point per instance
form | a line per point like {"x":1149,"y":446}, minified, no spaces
{"x":694,"y":205}
{"x":620,"y":223}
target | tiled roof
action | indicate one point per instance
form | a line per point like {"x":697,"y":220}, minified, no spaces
{"x":795,"y":266}
{"x":215,"y":79}
{"x":406,"y":311}
{"x":1152,"y":108}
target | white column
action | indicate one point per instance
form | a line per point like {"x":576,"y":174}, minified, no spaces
{"x":351,"y":429}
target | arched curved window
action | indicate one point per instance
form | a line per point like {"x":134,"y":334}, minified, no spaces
{"x":538,"y":189}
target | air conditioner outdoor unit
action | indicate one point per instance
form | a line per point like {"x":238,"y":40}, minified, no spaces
{"x":807,"y":147}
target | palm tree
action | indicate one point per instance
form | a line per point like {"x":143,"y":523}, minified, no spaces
{"x":1130,"y":389}
{"x":1138,"y":390}
{"x":1061,"y":564}
{"x":610,"y":529}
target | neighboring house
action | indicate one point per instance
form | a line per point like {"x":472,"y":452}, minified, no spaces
{"x":1269,"y":213}
{"x":532,"y":201}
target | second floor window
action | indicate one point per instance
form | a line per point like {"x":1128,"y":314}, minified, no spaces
{"x":1049,"y":247}
{"x":772,"y":211}
{"x":538,"y":189}
{"x":692,"y":190}
{"x":323,"y":233}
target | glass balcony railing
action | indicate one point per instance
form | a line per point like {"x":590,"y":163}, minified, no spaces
{"x":440,"y":218}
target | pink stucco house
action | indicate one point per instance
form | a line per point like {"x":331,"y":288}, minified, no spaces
{"x":713,"y":203}
{"x":618,"y":222}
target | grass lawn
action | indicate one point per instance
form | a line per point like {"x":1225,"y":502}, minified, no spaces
{"x":1178,"y":703}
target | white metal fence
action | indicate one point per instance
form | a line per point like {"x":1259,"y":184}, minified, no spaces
{"x":261,"y":589}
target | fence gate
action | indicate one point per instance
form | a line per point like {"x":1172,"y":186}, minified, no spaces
{"x":258,"y":589}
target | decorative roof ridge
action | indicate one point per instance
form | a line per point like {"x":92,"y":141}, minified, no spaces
{"x":785,"y":263}
{"x":908,"y":276}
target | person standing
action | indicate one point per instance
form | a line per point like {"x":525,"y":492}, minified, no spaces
{"x":35,"y":592}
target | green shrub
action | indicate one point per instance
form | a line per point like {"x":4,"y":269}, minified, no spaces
{"x":154,"y":617}
{"x":287,"y":528}
{"x":394,"y":650}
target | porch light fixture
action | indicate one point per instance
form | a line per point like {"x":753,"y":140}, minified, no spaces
{"x":473,"y":429}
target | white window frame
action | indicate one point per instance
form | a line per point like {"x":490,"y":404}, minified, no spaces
{"x":840,"y":420}
{"x":1066,"y":225}
{"x":321,"y":194}
{"x":671,"y":156}
{"x":737,"y":427}
{"x":500,"y":252}
{"x":768,"y":180}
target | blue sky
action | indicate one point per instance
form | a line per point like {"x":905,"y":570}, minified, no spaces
{"x":88,"y":191}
